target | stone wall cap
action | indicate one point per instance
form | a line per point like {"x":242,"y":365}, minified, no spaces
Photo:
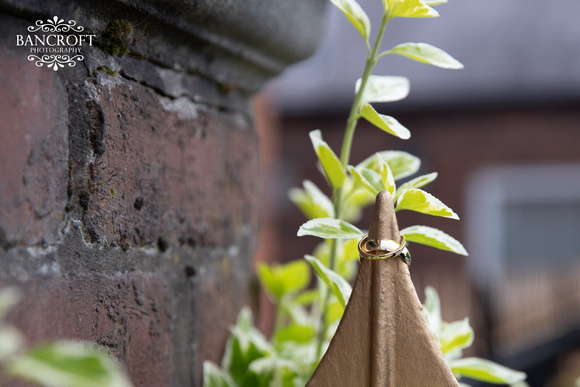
{"x":236,"y":43}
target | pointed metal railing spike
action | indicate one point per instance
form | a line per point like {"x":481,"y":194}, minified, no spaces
{"x":383,"y":338}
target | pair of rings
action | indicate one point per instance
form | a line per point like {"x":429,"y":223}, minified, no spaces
{"x":384,"y":249}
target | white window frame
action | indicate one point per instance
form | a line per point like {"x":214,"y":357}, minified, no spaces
{"x":490,"y":189}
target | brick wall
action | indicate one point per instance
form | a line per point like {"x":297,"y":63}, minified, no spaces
{"x":129,"y":183}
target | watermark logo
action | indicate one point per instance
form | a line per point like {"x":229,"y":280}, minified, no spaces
{"x":55,"y":43}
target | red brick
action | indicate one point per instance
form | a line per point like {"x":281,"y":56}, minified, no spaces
{"x":33,"y":152}
{"x":168,"y":170}
{"x":127,"y":314}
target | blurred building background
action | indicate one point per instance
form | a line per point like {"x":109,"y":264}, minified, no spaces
{"x":504,"y":135}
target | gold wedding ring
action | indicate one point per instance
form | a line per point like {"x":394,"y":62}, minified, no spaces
{"x":376,"y":249}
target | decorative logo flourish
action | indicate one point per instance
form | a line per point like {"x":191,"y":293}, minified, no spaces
{"x":55,"y":61}
{"x":56,"y":25}
{"x":55,"y":43}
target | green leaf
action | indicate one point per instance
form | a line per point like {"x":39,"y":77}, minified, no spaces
{"x":213,"y":376}
{"x":322,"y":252}
{"x":417,"y":182}
{"x":330,"y":163}
{"x":334,"y":312}
{"x":432,"y":310}
{"x":347,"y":253}
{"x":375,"y":181}
{"x":295,"y":332}
{"x":273,"y":372}
{"x":70,"y":364}
{"x":368,"y":178}
{"x":356,"y":15}
{"x":9,"y":296}
{"x":385,"y":123}
{"x":455,"y":336}
{"x":330,"y":228}
{"x":421,"y":201}
{"x":244,"y":322}
{"x":409,"y":8}
{"x":296,"y":312}
{"x":245,"y":345}
{"x":355,"y":200}
{"x":387,"y":176}
{"x":261,"y":374}
{"x":281,"y":280}
{"x":384,"y":88}
{"x":11,"y":342}
{"x":337,"y":285}
{"x":307,"y":297}
{"x":402,"y":164}
{"x":486,"y":371}
{"x":433,"y":237}
{"x":312,"y":201}
{"x":426,"y":53}
{"x":300,"y":355}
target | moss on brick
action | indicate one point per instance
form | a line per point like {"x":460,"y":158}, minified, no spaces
{"x":108,"y":70}
{"x":117,"y":37}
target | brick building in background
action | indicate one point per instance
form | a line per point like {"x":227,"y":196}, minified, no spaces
{"x":129,"y":185}
{"x":504,"y":136}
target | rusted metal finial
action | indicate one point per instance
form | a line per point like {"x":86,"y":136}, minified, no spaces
{"x":383,"y":338}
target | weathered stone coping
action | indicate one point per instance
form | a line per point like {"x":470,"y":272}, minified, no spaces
{"x":236,"y":43}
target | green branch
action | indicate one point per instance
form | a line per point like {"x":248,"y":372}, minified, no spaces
{"x":337,"y":193}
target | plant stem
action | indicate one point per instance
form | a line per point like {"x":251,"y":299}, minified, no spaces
{"x":354,"y":111}
{"x":278,"y":322}
{"x":337,"y":193}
